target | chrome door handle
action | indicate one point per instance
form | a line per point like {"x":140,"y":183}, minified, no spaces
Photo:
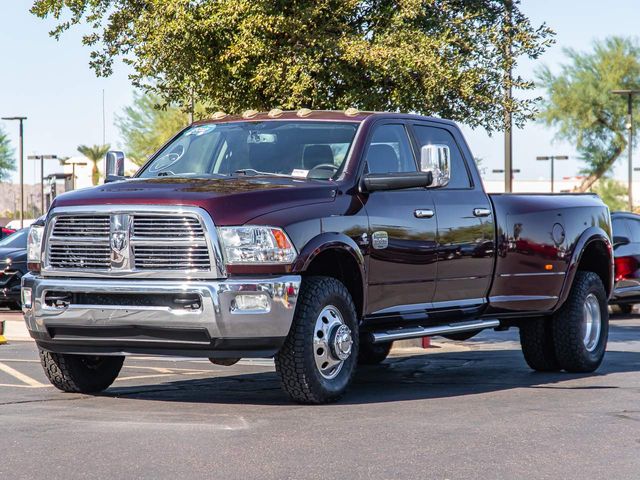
{"x":482,"y":212}
{"x":424,"y":213}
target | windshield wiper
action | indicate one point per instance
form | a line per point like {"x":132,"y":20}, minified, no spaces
{"x":253,"y":172}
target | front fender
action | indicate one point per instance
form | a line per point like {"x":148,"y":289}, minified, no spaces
{"x":589,"y":236}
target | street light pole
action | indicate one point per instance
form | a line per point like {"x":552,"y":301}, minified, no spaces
{"x":42,"y":158}
{"x":553,"y":158}
{"x":629,"y":94}
{"x":21,"y":167}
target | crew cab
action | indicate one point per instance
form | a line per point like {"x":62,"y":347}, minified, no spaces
{"x":316,"y":237}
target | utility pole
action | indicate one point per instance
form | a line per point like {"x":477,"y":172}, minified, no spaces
{"x":42,"y":158}
{"x":21,"y":167}
{"x":629,"y":94}
{"x":508,"y":124}
{"x":553,"y":158}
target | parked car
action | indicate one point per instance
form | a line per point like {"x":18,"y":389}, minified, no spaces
{"x":626,"y":251}
{"x":316,"y":237}
{"x":13,"y":259}
{"x":5,"y":232}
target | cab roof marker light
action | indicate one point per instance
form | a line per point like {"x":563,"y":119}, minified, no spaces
{"x":304,"y":112}
{"x":351,"y":112}
{"x":249,"y":113}
{"x":275,"y":113}
{"x":219,"y":115}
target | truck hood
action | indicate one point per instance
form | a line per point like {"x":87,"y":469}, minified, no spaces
{"x":230,"y":201}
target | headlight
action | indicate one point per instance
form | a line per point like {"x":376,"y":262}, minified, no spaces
{"x":34,"y":247}
{"x":251,"y":245}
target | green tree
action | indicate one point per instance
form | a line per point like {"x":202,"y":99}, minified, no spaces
{"x":146,"y":125}
{"x":579,"y":103}
{"x":7,"y":161}
{"x":612,"y":192}
{"x":438,"y":57}
{"x":95,"y":153}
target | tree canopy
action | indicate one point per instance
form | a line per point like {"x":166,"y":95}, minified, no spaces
{"x":579,"y":102}
{"x":612,"y":192}
{"x":7,"y":161}
{"x":145,"y":126}
{"x":94,"y":153}
{"x":436,"y":57}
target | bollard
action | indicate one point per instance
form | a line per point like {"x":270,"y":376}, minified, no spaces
{"x":2,"y":337}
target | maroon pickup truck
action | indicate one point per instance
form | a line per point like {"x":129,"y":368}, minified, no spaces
{"x":318,"y":238}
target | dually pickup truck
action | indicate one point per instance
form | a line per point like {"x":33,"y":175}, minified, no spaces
{"x":315,"y":237}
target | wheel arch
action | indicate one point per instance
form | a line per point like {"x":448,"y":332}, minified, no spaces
{"x":593,"y":252}
{"x":336,"y":255}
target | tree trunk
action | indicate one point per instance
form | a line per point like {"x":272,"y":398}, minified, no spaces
{"x":95,"y":173}
{"x":593,"y":177}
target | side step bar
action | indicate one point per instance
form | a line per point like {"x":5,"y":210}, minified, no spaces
{"x":417,"y":332}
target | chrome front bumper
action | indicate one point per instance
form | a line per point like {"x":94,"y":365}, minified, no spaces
{"x":216,"y":328}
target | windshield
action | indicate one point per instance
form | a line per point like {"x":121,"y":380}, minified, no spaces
{"x":15,"y":240}
{"x":302,"y":149}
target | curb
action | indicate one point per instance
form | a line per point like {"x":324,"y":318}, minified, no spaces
{"x":16,"y":331}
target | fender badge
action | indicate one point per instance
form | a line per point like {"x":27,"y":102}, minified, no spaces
{"x":380,"y":240}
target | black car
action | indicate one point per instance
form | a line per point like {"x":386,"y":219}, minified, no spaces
{"x":626,"y":250}
{"x":13,"y":259}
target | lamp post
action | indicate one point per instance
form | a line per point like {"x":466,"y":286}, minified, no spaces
{"x":42,"y":158}
{"x":553,"y":158}
{"x":21,"y":167}
{"x":629,"y":94}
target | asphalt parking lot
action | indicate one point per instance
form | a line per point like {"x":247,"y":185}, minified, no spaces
{"x":463,"y":410}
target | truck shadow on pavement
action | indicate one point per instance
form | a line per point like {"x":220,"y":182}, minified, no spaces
{"x":420,"y":377}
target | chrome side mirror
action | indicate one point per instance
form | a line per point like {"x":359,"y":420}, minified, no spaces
{"x":113,"y":166}
{"x":436,"y":158}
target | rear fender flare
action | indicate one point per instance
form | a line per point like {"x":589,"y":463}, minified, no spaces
{"x":589,"y":236}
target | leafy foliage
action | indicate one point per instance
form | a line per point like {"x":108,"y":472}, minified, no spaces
{"x":581,"y":106}
{"x":438,"y":57}
{"x":95,"y":153}
{"x":147,"y":124}
{"x":7,"y":161}
{"x":612,"y":192}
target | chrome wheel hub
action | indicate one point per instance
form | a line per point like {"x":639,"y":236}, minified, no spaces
{"x":591,"y":322}
{"x":332,"y":342}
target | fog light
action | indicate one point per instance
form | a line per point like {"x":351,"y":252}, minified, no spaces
{"x":251,"y":303}
{"x":26,"y":297}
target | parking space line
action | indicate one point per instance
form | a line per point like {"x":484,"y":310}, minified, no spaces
{"x":20,"y":376}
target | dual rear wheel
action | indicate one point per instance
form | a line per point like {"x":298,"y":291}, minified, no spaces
{"x":574,"y":339}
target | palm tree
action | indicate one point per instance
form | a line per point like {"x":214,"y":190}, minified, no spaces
{"x":95,"y":154}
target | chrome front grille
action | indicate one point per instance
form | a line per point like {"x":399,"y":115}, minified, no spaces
{"x":145,"y":242}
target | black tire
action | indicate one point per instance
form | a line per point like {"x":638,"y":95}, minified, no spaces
{"x":373,"y":353}
{"x":568,"y":329}
{"x":80,"y":373}
{"x":15,"y":306}
{"x":295,"y":361}
{"x":536,"y":340}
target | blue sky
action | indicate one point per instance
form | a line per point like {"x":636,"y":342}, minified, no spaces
{"x":51,"y":83}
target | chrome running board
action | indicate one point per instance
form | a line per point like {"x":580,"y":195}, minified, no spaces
{"x":417,"y":332}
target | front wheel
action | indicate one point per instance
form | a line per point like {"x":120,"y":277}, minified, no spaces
{"x":319,"y":356}
{"x":80,"y":373}
{"x":581,"y":326}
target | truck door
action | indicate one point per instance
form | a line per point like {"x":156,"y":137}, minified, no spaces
{"x":465,"y":227}
{"x":402,"y":229}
